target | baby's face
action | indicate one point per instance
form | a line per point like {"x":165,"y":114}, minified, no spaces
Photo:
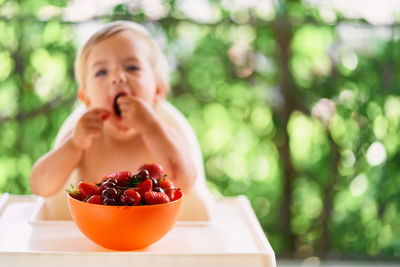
{"x":117,"y":65}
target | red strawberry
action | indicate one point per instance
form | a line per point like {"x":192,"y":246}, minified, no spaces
{"x":155,"y":170}
{"x":166,"y":184}
{"x":153,"y":198}
{"x":77,"y":197}
{"x":74,"y":193}
{"x":87,"y":189}
{"x":145,"y":186}
{"x":95,"y":199}
{"x":121,"y":176}
{"x":174,"y":194}
{"x":107,"y":176}
{"x":132,"y":197}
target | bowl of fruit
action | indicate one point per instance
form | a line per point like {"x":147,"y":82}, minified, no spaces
{"x":126,"y":210}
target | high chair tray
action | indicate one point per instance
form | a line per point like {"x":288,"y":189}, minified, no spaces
{"x":232,"y":238}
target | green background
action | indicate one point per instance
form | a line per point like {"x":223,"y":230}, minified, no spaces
{"x":247,"y":80}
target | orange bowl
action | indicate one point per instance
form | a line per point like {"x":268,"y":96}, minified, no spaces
{"x":124,"y":227}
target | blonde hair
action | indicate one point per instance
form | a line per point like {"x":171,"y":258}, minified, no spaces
{"x":158,"y":59}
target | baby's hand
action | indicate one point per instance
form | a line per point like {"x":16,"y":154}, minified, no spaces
{"x":136,"y":113}
{"x":90,"y":125}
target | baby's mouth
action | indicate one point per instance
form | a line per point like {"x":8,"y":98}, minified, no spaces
{"x":117,"y":110}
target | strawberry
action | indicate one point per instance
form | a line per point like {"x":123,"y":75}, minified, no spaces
{"x":87,"y":189}
{"x":121,"y":176}
{"x":145,"y":186}
{"x":74,"y":193}
{"x":165,"y":184}
{"x":107,"y":176}
{"x":77,"y":197}
{"x":95,"y":199}
{"x":153,"y":198}
{"x":174,"y":194}
{"x":132,"y":197}
{"x":155,"y":170}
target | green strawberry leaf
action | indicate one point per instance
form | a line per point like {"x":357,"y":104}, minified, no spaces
{"x":73,"y":191}
{"x":133,"y":181}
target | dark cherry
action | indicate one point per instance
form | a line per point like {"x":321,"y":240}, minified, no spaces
{"x":154,"y":181}
{"x":158,"y":189}
{"x":129,"y":200}
{"x":108,"y":184}
{"x":142,"y":175}
{"x":122,"y":199}
{"x":112,"y":180}
{"x":109,"y":193}
{"x":109,"y":201}
{"x":116,"y":106}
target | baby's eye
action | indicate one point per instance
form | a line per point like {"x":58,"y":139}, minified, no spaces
{"x":132,"y":68}
{"x":100,"y":73}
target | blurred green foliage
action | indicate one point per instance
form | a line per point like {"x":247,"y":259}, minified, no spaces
{"x":322,"y":181}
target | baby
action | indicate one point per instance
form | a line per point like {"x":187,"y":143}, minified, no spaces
{"x":123,"y":77}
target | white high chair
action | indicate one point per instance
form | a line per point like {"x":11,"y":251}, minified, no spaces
{"x":210,"y":232}
{"x":197,"y":204}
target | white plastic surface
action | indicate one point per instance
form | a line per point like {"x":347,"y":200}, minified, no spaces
{"x":233,"y":238}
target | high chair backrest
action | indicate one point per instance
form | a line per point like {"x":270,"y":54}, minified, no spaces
{"x":197,"y":205}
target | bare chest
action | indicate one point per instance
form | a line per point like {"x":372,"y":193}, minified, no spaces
{"x":101,"y":159}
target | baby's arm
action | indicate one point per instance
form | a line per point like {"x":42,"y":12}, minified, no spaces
{"x":162,"y":142}
{"x":52,"y":170}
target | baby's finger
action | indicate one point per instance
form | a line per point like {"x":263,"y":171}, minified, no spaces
{"x":99,"y":113}
{"x":127,"y":99}
{"x":126,"y":106}
{"x":128,"y":112}
{"x":95,"y":124}
{"x":94,"y":131}
{"x":130,"y":104}
{"x":100,"y":110}
{"x":97,"y":117}
{"x":98,"y":120}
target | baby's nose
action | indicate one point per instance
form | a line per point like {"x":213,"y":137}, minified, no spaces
{"x":118,"y":77}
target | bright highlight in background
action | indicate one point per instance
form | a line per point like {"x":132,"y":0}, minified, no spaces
{"x":359,"y":185}
{"x":350,"y":61}
{"x":376,"y":154}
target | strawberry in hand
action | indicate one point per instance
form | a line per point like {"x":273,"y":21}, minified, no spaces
{"x":89,"y":126}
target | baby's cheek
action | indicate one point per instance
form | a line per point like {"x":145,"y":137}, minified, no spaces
{"x":97,"y":104}
{"x":101,"y":100}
